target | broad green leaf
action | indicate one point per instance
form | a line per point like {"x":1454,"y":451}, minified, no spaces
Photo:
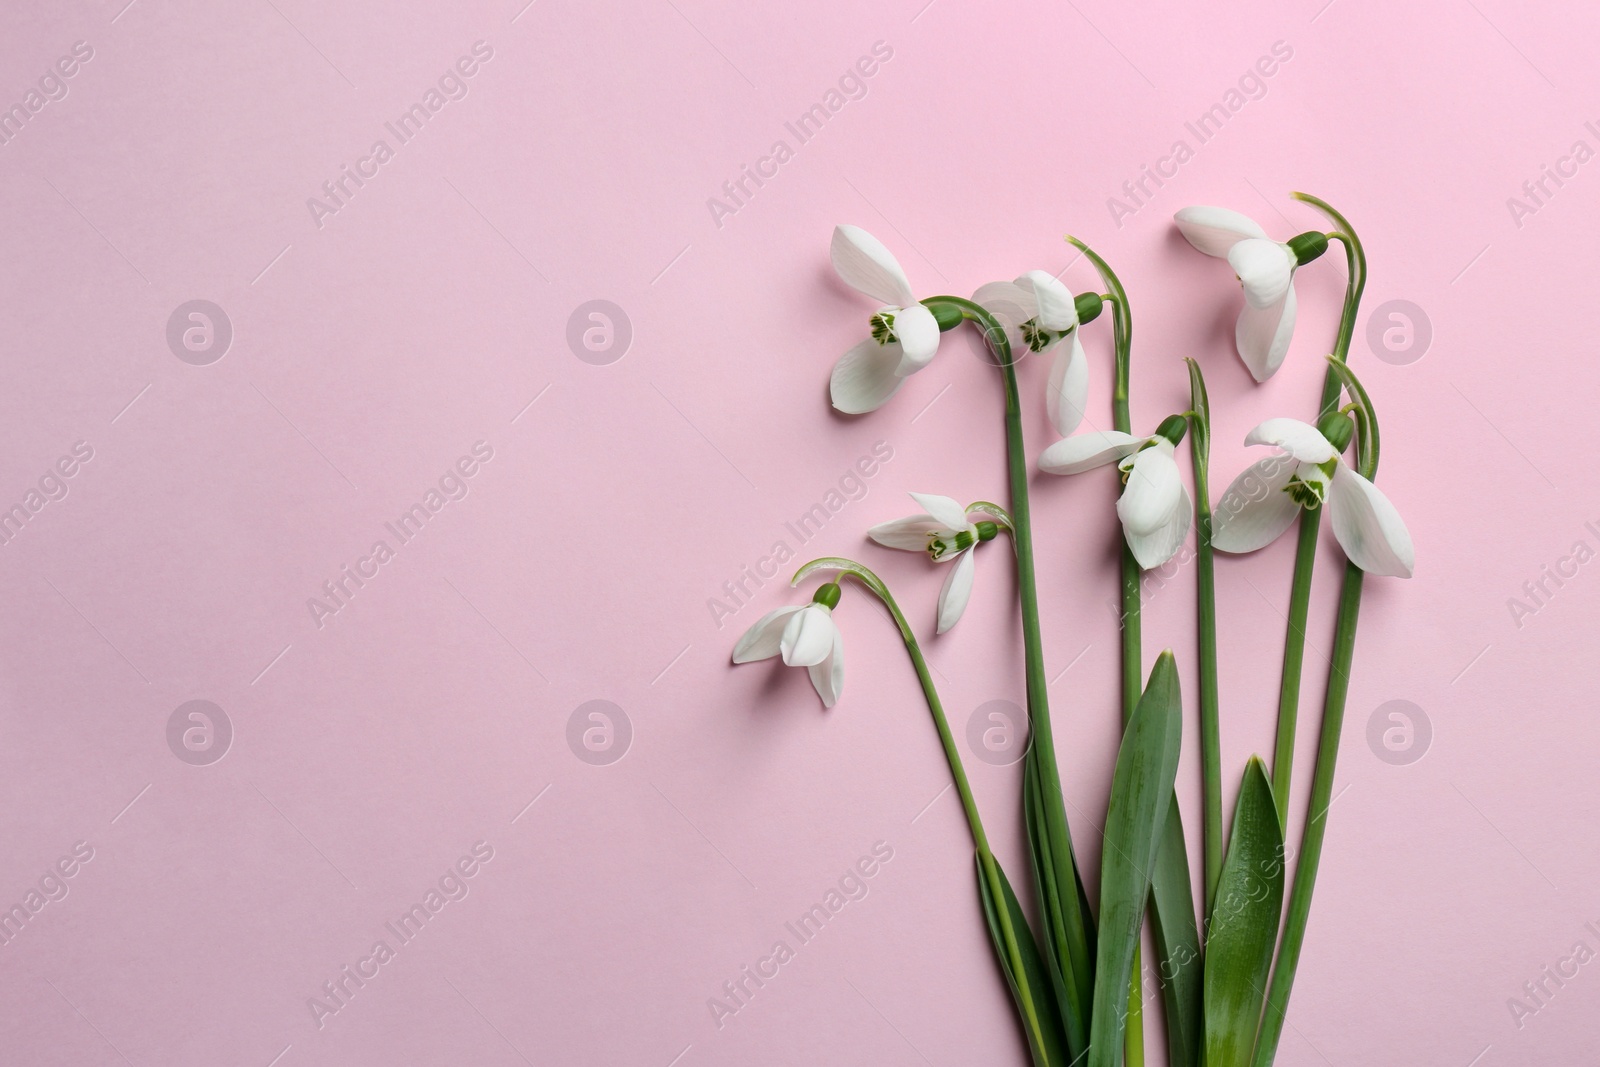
{"x":1177,"y":943}
{"x":1244,"y":923}
{"x":1054,"y":1051}
{"x":1141,"y":795}
{"x":1068,"y":927}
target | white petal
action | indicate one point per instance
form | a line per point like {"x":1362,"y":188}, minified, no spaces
{"x":827,"y":677}
{"x":1262,"y":336}
{"x":957,"y":591}
{"x":1368,"y":527}
{"x":1052,"y":300}
{"x":1067,"y":393}
{"x":1264,"y":268}
{"x":864,"y":378}
{"x":1153,"y":491}
{"x":946,"y":511}
{"x":1255,"y":510}
{"x":910,"y":533}
{"x":808,"y":636}
{"x":918,"y":333}
{"x":1214,"y":230}
{"x":1086,"y":451}
{"x":1154,"y":548}
{"x":1301,"y":440}
{"x":865,"y":264}
{"x":761,"y":640}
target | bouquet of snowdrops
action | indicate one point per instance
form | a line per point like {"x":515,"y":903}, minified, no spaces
{"x":1226,"y":966}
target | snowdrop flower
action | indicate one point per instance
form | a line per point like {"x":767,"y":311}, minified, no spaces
{"x":946,"y":533}
{"x":1264,"y":500}
{"x":1266,"y":270}
{"x":905,"y":334}
{"x":1039,"y":313}
{"x":1154,"y":506}
{"x":806,"y":637}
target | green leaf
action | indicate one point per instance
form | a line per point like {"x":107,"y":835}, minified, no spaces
{"x":1177,"y":943}
{"x":1244,"y":923}
{"x":1068,"y":925}
{"x":1054,"y":1052}
{"x":1141,"y":795}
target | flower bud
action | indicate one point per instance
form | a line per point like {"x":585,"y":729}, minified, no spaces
{"x":1308,"y":246}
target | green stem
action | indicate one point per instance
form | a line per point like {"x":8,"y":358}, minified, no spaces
{"x":1206,"y":610}
{"x":1068,"y":927}
{"x":1131,"y":576}
{"x":958,"y":773}
{"x":1022,"y":536}
{"x":1344,"y":639}
{"x":1294,"y":654}
{"x":1305,"y":874}
{"x":1294,"y":642}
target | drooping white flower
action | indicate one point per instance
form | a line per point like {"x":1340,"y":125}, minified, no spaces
{"x":1039,"y":313}
{"x":905,"y":334}
{"x":1266,"y":271}
{"x":1154,"y":507}
{"x":946,"y":532}
{"x":805,"y":636}
{"x":1264,"y":501}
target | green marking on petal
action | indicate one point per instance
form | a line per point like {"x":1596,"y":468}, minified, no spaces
{"x":1037,"y":337}
{"x":883,"y":327}
{"x":943,"y":546}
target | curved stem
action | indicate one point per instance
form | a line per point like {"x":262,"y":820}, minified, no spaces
{"x":1022,"y":535}
{"x":1311,"y":836}
{"x":1131,"y":577}
{"x":1294,"y":642}
{"x":1065,"y":923}
{"x":958,"y":773}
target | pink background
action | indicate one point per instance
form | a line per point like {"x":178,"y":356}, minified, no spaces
{"x":373,"y":752}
